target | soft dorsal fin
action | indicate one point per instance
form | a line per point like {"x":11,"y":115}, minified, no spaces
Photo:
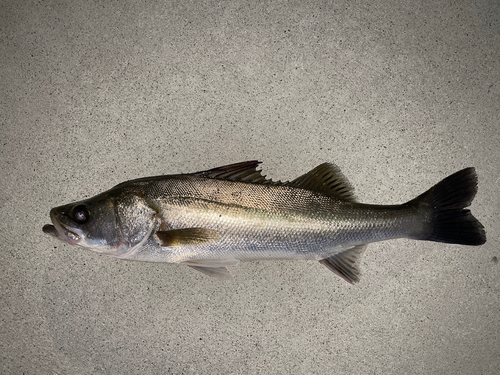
{"x":242,"y":172}
{"x":326,"y":179}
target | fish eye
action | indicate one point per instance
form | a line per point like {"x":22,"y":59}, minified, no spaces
{"x":81,"y":214}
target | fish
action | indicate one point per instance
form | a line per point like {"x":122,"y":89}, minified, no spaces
{"x":217,"y":218}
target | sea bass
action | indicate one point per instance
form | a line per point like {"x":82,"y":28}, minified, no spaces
{"x":216,"y":218}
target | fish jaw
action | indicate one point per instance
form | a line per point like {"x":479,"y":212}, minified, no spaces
{"x":62,"y":232}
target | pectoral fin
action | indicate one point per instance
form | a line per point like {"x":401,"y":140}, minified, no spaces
{"x":345,"y":264}
{"x":187,"y":236}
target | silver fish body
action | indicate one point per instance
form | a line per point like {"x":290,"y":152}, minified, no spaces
{"x":213,"y":219}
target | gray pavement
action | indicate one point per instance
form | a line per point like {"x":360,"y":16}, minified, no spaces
{"x":399,"y":94}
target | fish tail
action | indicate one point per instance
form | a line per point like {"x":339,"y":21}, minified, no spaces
{"x":448,"y":220}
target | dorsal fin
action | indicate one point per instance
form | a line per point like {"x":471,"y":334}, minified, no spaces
{"x":326,"y":179}
{"x":242,"y":172}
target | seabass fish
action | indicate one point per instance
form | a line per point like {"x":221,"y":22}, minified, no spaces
{"x":216,"y":218}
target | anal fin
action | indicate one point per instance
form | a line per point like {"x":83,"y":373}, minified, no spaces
{"x":345,"y":264}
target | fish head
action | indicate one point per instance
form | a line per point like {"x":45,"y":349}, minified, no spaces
{"x":90,"y":223}
{"x":112,"y":223}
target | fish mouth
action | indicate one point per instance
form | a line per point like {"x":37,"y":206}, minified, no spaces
{"x":60,"y":231}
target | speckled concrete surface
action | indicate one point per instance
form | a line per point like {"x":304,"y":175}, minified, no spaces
{"x":398,"y":94}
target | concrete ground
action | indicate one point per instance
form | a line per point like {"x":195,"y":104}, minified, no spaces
{"x":398,"y":94}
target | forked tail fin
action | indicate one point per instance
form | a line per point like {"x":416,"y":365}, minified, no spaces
{"x":449,"y":221}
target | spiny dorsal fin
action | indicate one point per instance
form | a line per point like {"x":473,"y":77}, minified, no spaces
{"x":326,"y":179}
{"x":242,"y":172}
{"x":345,"y":264}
